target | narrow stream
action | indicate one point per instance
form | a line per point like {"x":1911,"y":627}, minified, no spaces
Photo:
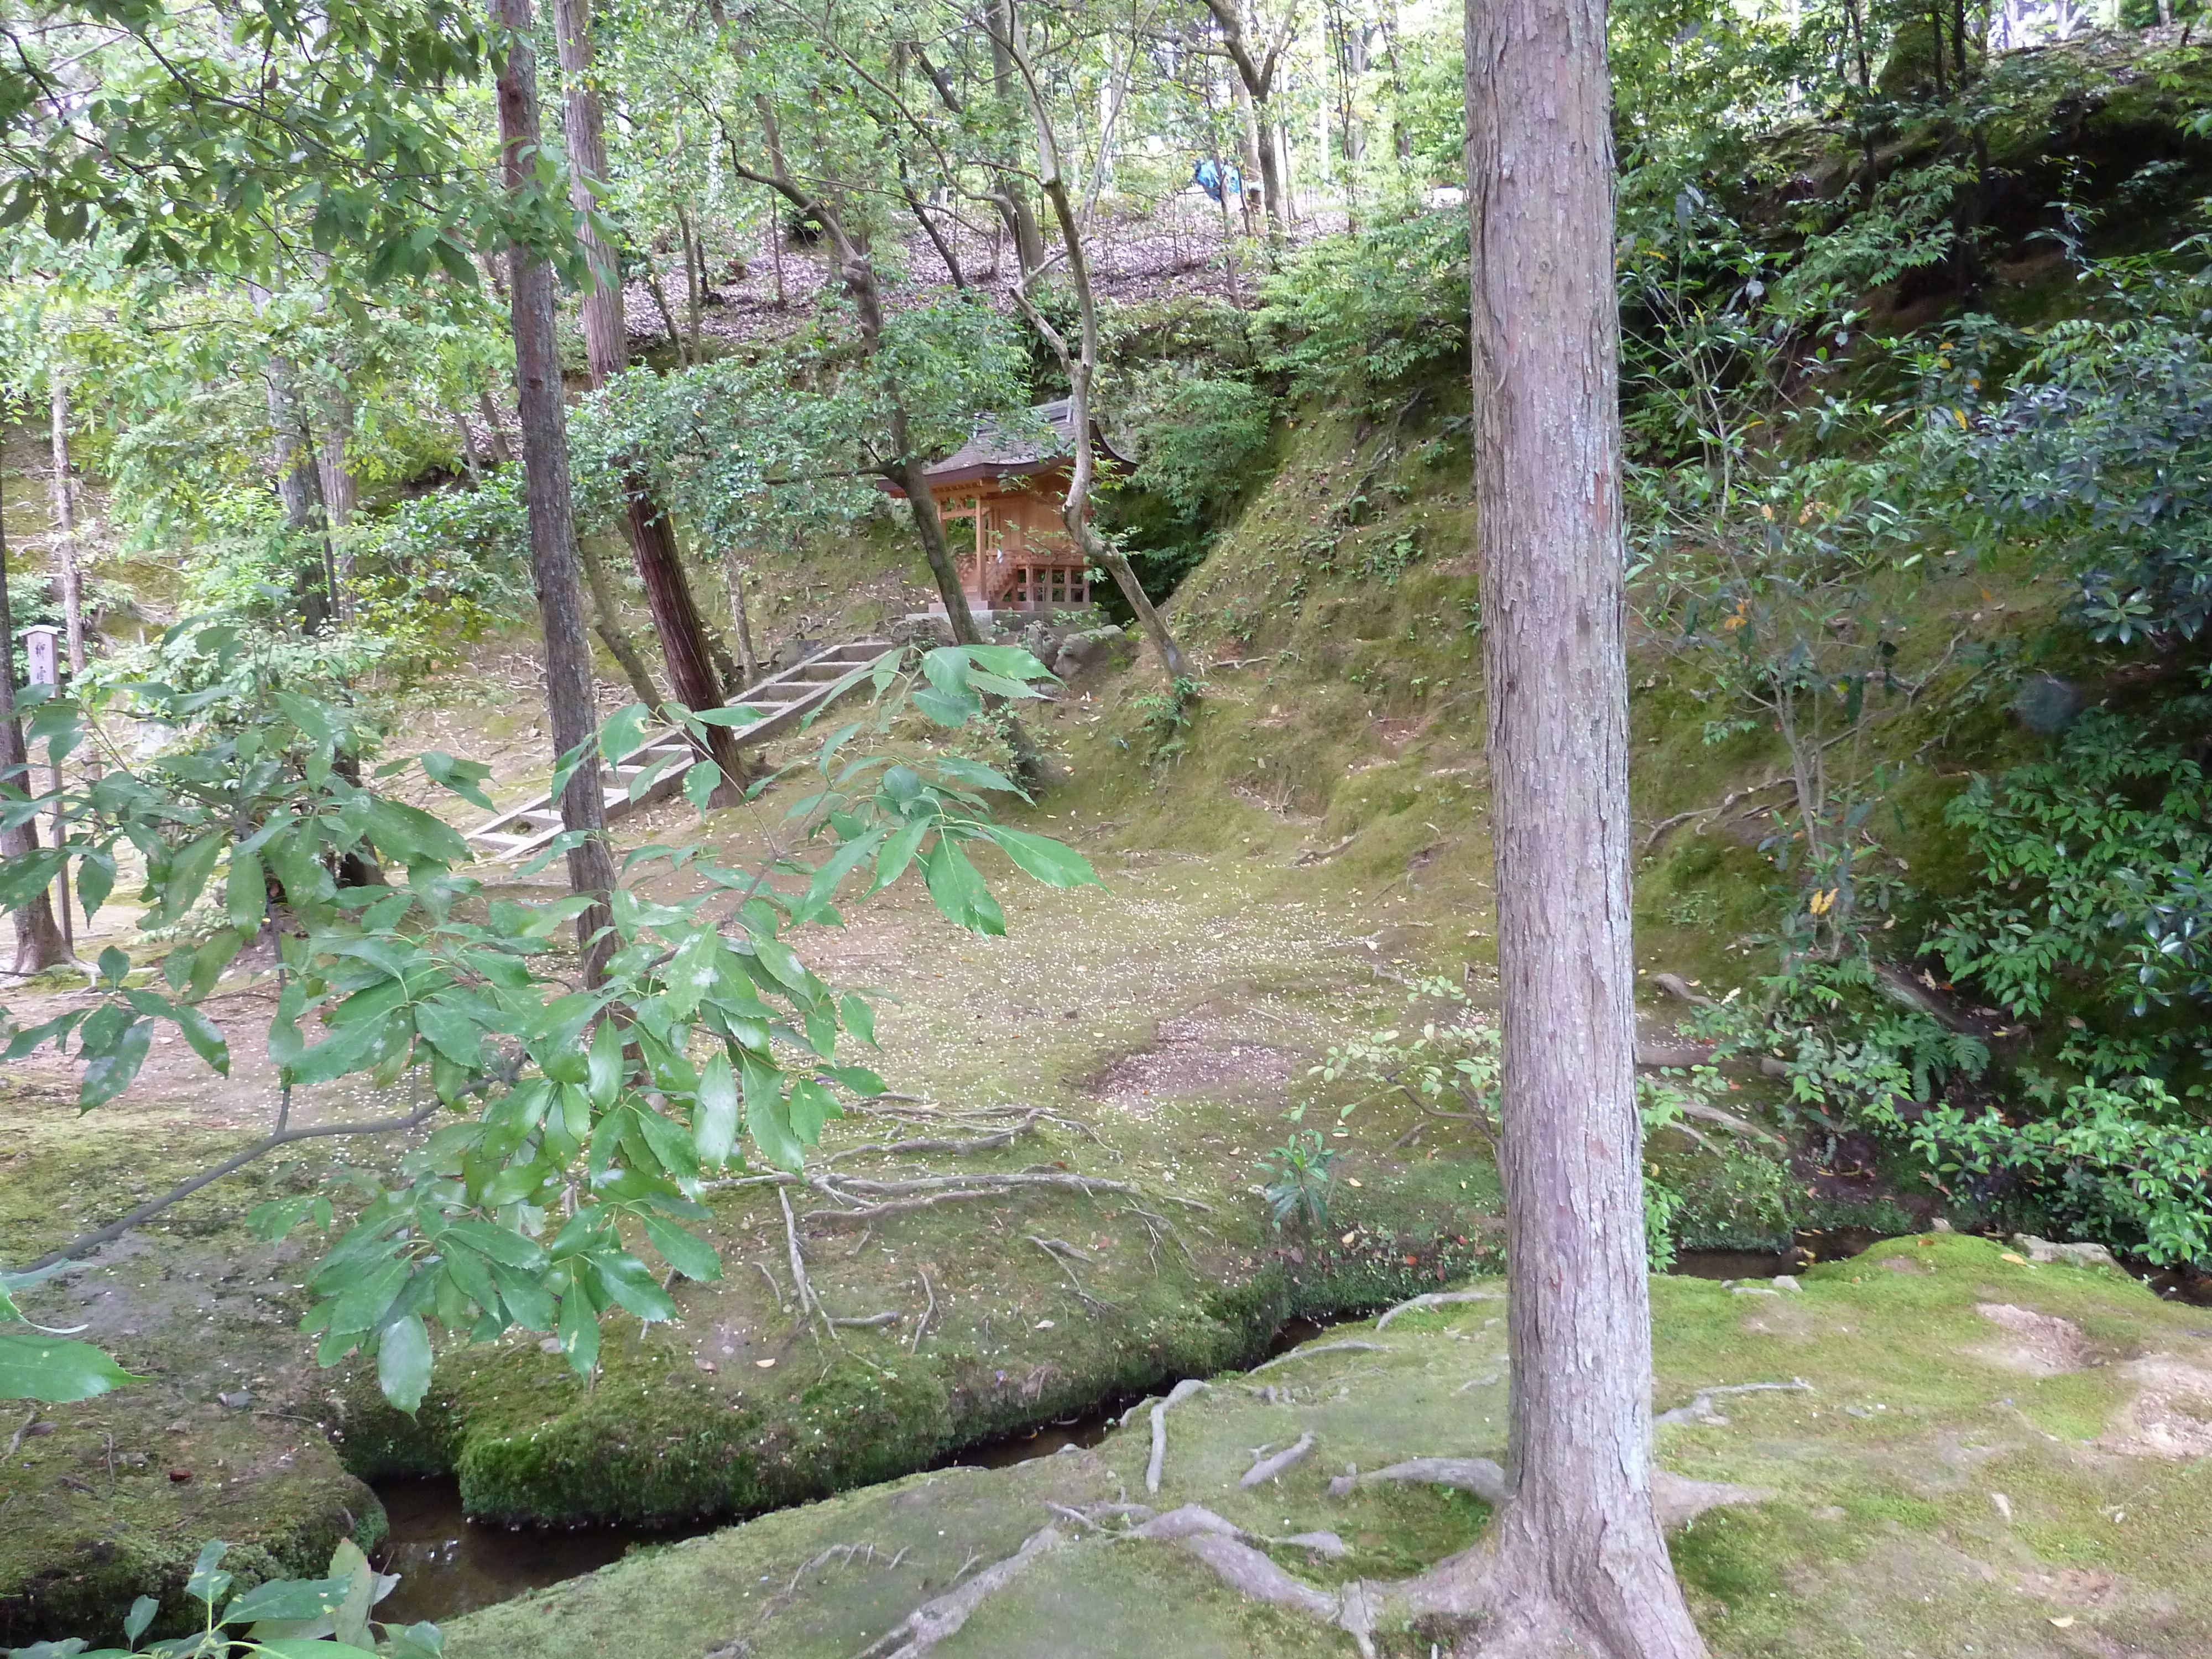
{"x":449,"y":1565}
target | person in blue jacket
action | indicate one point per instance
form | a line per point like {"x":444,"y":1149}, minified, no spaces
{"x":1207,"y":178}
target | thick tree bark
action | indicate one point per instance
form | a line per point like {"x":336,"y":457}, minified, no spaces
{"x":676,"y":618}
{"x":39,"y":942}
{"x":1578,"y":1555}
{"x":553,"y":556}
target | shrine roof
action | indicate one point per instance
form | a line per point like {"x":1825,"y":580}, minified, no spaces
{"x":1045,"y":440}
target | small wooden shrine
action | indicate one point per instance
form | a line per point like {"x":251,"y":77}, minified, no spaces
{"x":1006,"y":489}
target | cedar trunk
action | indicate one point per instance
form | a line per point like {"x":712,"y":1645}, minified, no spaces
{"x":37,"y":939}
{"x":653,"y":544}
{"x":1579,"y":1556}
{"x":553,"y":557}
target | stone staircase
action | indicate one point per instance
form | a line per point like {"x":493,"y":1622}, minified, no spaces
{"x":783,"y":700}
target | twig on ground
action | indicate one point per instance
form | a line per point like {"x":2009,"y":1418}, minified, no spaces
{"x":915,"y":1346}
{"x":1438,"y":1300}
{"x":800,"y":1287}
{"x":888,"y":1316}
{"x":15,"y":1440}
{"x":1182,"y":1391}
{"x":1268,"y":1468}
{"x":781,"y":1306}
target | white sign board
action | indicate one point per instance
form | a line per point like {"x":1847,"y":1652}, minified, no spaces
{"x":39,"y":647}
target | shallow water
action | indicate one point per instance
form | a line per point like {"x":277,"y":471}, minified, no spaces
{"x":449,"y":1565}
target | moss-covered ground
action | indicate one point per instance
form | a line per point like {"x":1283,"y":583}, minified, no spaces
{"x":1932,"y":1491}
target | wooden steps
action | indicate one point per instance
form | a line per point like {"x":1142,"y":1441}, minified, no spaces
{"x":783,"y":700}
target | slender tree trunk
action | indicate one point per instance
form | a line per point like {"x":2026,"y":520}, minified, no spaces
{"x":71,"y":573}
{"x":1080,"y":364}
{"x":676,"y":618}
{"x":606,"y":622}
{"x":553,"y":554}
{"x":694,"y":274}
{"x":1578,"y":1555}
{"x":495,"y":433}
{"x":39,"y":942}
{"x":1255,"y":82}
{"x":471,"y":462}
{"x":652,"y":286}
{"x":735,"y":575}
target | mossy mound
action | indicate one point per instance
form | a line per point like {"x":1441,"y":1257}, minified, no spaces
{"x":1986,"y":1454}
{"x":114,"y":1505}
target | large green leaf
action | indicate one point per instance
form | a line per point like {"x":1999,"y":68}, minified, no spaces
{"x":714,"y":1118}
{"x":108,"y":1072}
{"x":768,"y":1119}
{"x":35,"y":1366}
{"x":402,"y":1370}
{"x":288,"y":1598}
{"x":1054,"y":863}
{"x":689,"y":1255}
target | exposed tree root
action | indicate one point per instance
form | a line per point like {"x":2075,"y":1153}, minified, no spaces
{"x":739,"y":1647}
{"x":1061,"y":1250}
{"x":933,"y":1620}
{"x":1700,"y":1407}
{"x":1268,"y":1468}
{"x":1438,"y":1299}
{"x":1350,"y":1344}
{"x":1478,"y":1475}
{"x":1182,"y":1391}
{"x":927,"y":1314}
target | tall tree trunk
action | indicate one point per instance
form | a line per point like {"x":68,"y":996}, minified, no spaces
{"x":553,"y":556}
{"x":340,"y":496}
{"x":66,"y":569}
{"x":1016,"y":209}
{"x":37,"y":940}
{"x":1578,"y":1553}
{"x":676,"y":618}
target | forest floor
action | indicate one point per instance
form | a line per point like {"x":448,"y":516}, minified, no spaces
{"x":1149,"y":1033}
